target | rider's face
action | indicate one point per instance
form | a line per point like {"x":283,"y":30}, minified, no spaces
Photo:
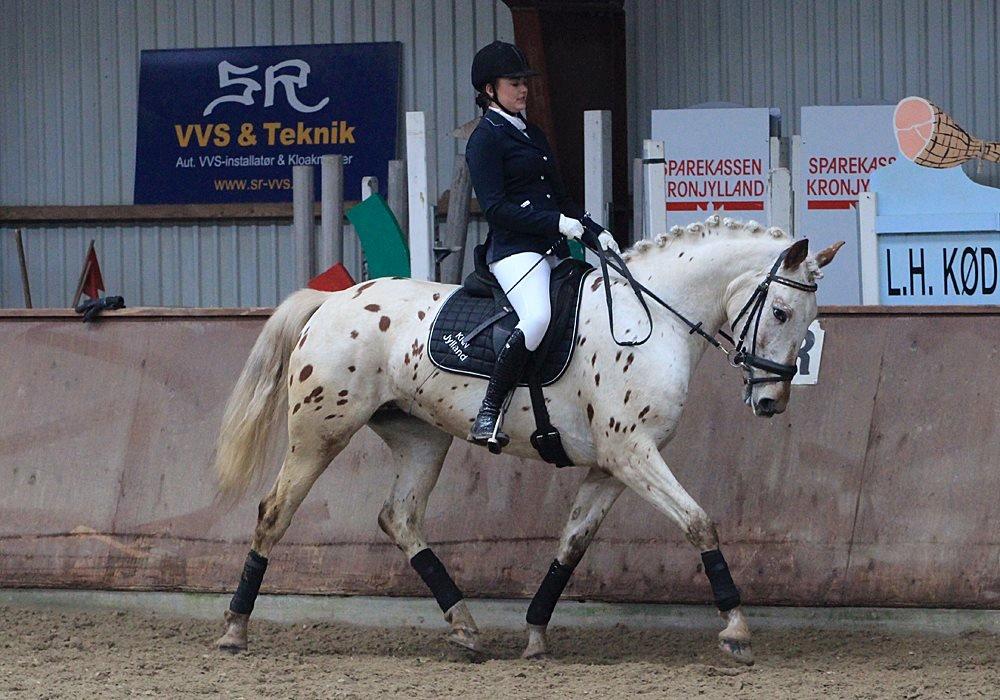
{"x":512,"y":93}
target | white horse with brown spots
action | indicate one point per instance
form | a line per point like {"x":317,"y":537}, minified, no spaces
{"x":331,"y":363}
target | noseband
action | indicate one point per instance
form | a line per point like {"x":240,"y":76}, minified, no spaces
{"x":741,"y":355}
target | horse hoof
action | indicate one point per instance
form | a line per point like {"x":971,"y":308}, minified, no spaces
{"x":536,"y":649}
{"x":231,"y":643}
{"x":235,"y":639}
{"x":737,"y":650}
{"x":535,"y":655}
{"x":466,"y":641}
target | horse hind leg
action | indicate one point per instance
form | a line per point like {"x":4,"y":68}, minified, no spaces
{"x":311,"y":449}
{"x":419,"y":452}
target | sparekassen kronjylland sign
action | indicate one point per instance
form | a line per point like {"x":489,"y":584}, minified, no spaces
{"x":840,"y":148}
{"x":715,"y":160}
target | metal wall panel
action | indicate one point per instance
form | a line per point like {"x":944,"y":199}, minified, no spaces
{"x":68,"y":95}
{"x":793,"y":53}
{"x":68,"y":100}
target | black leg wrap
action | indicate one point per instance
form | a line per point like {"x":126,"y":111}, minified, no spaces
{"x":727,"y":596}
{"x":246,"y":592}
{"x":436,"y":577}
{"x":544,"y":602}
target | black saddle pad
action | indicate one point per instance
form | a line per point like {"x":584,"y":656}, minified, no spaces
{"x":469,"y":329}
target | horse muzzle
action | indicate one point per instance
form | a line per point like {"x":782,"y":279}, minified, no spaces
{"x":767,"y":407}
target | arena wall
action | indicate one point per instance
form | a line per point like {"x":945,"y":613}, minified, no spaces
{"x":878,"y":487}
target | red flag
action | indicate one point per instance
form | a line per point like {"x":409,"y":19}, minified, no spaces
{"x":93,"y":283}
{"x":333,"y":280}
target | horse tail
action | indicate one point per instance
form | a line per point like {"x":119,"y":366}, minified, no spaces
{"x":248,"y":421}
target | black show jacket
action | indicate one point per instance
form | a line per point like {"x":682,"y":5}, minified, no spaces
{"x":518,"y":187}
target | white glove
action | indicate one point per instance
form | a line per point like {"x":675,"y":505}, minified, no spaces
{"x":608,"y":242}
{"x":571,"y":228}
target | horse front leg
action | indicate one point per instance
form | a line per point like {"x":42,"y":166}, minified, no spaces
{"x":594,"y":499}
{"x":643,"y":470}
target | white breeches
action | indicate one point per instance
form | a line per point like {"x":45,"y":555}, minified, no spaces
{"x":530,"y":296}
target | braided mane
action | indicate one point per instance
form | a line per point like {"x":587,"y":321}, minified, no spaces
{"x":714,"y":225}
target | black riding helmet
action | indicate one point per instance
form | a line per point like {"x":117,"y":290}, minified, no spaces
{"x":499,"y":60}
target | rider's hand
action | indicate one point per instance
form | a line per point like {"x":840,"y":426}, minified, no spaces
{"x":608,"y":242}
{"x":571,"y":228}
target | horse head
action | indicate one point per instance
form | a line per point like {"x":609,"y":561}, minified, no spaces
{"x":769,"y":311}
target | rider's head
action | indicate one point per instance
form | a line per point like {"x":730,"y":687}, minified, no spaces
{"x":499,"y":74}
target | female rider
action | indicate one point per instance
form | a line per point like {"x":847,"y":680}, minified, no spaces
{"x":526,"y":206}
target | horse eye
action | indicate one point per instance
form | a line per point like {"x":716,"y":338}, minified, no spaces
{"x":780,"y":314}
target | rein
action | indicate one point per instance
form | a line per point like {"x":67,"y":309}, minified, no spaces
{"x":740,"y":355}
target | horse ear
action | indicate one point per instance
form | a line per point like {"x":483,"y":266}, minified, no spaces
{"x":825,"y":256}
{"x":796,"y":255}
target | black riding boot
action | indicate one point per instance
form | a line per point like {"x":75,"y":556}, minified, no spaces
{"x":506,"y":373}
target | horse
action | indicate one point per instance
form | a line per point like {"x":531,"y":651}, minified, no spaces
{"x":330,"y":363}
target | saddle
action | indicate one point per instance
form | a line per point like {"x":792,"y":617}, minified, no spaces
{"x":475,"y":321}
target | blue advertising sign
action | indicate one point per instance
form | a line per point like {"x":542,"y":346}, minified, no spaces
{"x":938,"y":236}
{"x":227,"y":125}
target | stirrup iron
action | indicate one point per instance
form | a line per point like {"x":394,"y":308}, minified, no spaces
{"x":498,"y":440}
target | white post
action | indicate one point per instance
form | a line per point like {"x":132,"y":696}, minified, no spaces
{"x":303,"y":221}
{"x":638,"y":208}
{"x":868,"y":248}
{"x":419,"y":197}
{"x":331,"y":241}
{"x":597,"y":167}
{"x":796,"y":168}
{"x":369,"y":186}
{"x":778,"y":147}
{"x":395,"y":191}
{"x":781,"y":205}
{"x":654,"y":181}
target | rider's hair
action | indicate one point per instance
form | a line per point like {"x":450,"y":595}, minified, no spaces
{"x":483,"y":100}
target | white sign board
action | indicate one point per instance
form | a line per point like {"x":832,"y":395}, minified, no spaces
{"x":715,"y":160}
{"x":810,"y":355}
{"x":840,"y":147}
{"x":939,"y":269}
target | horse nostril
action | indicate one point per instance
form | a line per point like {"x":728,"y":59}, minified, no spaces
{"x":766,"y":405}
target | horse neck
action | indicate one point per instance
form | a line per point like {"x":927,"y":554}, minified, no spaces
{"x":699,"y":277}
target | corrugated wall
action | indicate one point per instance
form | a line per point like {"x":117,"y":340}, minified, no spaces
{"x":794,"y":53}
{"x":68,"y":93}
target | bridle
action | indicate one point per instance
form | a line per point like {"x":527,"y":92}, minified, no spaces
{"x":741,"y":355}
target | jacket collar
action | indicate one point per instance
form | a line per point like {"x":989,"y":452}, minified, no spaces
{"x":515,"y":119}
{"x":499,"y":122}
